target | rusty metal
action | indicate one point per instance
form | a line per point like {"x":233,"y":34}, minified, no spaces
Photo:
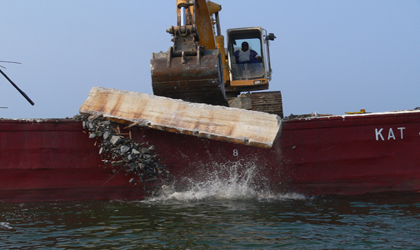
{"x":269,"y":102}
{"x":182,"y":3}
{"x":193,"y":78}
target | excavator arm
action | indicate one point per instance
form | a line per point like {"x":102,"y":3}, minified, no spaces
{"x":192,"y":69}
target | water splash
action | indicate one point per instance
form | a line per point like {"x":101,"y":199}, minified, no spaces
{"x":230,"y":181}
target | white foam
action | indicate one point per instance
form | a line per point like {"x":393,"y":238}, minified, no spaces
{"x":232,"y":181}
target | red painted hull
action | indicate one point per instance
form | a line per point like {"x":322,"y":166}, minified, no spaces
{"x":55,"y":160}
{"x":337,"y":155}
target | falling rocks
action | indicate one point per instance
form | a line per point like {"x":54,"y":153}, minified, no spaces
{"x":124,"y":149}
{"x":114,"y":139}
{"x":117,"y":163}
{"x":121,"y":153}
{"x":106,"y":135}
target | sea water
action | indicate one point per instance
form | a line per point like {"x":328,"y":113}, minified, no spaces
{"x":223,"y":211}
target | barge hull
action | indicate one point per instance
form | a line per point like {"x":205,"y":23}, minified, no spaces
{"x":336,"y":155}
{"x":55,"y":160}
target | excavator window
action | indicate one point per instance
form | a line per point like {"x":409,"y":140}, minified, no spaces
{"x":254,"y":67}
{"x":252,"y":45}
{"x":247,"y":62}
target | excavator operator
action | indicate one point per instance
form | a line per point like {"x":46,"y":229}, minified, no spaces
{"x":246,"y":55}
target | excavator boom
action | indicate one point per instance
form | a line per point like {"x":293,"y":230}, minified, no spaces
{"x":192,"y":68}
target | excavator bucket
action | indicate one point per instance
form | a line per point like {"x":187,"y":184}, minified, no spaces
{"x":215,"y":122}
{"x":194,"y":78}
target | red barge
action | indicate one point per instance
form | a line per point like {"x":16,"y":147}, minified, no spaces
{"x":331,"y":155}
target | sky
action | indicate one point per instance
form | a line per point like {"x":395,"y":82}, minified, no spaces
{"x":330,"y":56}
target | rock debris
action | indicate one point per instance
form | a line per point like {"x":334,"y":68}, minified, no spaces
{"x":121,"y":153}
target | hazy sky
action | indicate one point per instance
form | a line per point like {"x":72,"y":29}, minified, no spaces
{"x":330,"y":56}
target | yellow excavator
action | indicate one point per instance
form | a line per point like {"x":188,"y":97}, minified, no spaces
{"x":198,"y":68}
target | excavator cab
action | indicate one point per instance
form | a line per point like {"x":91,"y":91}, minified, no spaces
{"x":250,"y":70}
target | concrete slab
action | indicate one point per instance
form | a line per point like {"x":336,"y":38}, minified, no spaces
{"x":215,"y":122}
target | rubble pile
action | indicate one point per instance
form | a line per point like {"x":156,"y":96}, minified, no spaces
{"x":121,"y":153}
